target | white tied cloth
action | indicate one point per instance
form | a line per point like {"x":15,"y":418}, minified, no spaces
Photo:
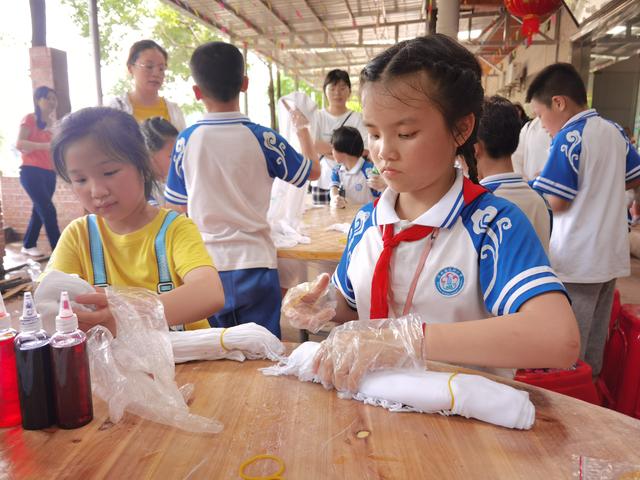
{"x":247,"y":341}
{"x":426,"y":392}
{"x":287,"y":201}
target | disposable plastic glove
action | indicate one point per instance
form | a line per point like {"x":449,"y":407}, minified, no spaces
{"x":377,"y":183}
{"x":310,"y":305}
{"x":362,"y":346}
{"x":298,"y":119}
{"x":338,"y":202}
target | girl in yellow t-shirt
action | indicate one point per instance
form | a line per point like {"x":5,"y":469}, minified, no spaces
{"x":126,"y":241}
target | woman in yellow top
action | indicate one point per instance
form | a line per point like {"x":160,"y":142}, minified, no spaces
{"x":147,"y":64}
{"x":125,"y":241}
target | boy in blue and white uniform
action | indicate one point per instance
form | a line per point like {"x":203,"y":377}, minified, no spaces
{"x":222,"y":169}
{"x":584,"y":179}
{"x":350,"y":178}
{"x":497,"y":140}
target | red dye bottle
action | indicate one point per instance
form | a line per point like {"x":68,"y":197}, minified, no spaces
{"x":9,"y":400}
{"x":72,"y":380}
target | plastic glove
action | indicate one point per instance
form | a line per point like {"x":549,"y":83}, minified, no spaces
{"x":338,"y":202}
{"x":298,"y":119}
{"x":377,"y":183}
{"x":361,"y":346}
{"x":310,"y":305}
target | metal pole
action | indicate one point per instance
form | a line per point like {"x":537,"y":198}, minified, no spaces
{"x":95,"y":39}
{"x":245,"y":52}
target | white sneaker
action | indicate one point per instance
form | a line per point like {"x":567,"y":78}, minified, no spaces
{"x":33,"y":252}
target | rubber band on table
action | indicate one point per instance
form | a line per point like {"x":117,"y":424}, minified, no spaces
{"x":224,"y":347}
{"x":254,"y":459}
{"x":453,"y":398}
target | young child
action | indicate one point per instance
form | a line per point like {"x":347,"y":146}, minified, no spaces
{"x":436,"y":245}
{"x":125,"y":241}
{"x":498,"y":133}
{"x":223,"y":169}
{"x":160,"y":137}
{"x":353,"y":171}
{"x":584,"y":179}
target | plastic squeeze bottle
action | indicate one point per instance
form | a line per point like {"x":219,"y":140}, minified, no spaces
{"x":35,"y":378}
{"x":9,"y":400}
{"x":72,"y":380}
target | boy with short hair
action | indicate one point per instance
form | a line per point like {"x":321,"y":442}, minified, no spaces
{"x":498,"y":132}
{"x":350,"y":178}
{"x":584,"y":179}
{"x":223,"y":167}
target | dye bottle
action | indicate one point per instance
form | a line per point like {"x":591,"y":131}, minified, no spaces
{"x":35,"y":377}
{"x":9,"y":401}
{"x":71,"y":378}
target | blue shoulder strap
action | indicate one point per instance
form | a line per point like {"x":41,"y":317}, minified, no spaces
{"x":97,"y":253}
{"x":164,"y":275}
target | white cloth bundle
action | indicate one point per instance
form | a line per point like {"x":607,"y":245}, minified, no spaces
{"x":427,"y":392}
{"x":339,"y":227}
{"x":248,"y":340}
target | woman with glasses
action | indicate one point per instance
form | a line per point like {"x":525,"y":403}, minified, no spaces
{"x":147,"y":64}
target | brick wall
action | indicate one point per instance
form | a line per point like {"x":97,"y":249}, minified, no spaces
{"x":16,"y":207}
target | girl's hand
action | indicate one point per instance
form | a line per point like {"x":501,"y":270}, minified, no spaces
{"x":309,"y":305}
{"x":101,"y":316}
{"x":361,"y":346}
{"x":338,"y":202}
{"x":377,"y":183}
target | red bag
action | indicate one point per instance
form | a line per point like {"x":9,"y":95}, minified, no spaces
{"x":619,"y":381}
{"x":575,"y":382}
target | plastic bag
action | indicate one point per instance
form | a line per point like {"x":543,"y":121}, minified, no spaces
{"x":135,"y":371}
{"x":587,"y":468}
{"x":358,"y":347}
{"x":310,"y":316}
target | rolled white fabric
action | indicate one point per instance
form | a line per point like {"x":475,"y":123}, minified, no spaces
{"x":248,"y":340}
{"x":428,"y":392}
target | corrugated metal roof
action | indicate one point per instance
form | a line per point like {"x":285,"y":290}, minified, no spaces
{"x":307,"y":38}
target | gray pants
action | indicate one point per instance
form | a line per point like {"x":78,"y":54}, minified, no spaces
{"x":591,"y":304}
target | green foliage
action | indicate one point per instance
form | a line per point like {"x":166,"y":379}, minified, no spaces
{"x":288,"y":85}
{"x":178,"y":34}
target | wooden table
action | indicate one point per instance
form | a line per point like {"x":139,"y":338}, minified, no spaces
{"x":325,"y":244}
{"x":315,"y":433}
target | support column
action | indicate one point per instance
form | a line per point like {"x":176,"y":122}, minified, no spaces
{"x":95,"y":40}
{"x":448,"y":18}
{"x":49,"y":67}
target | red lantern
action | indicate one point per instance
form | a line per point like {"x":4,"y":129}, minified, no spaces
{"x":530,"y":12}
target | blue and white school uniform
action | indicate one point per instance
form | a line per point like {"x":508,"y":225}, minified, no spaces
{"x":589,"y":162}
{"x":223,"y":168}
{"x":486,"y":259}
{"x":513,"y":187}
{"x":354,"y":182}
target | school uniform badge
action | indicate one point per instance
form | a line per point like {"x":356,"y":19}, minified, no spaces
{"x":449,"y":281}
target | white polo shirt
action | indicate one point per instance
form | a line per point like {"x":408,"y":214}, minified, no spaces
{"x":513,"y":187}
{"x":486,"y":259}
{"x":589,"y":163}
{"x":325,"y":124}
{"x":533,"y":150}
{"x":354,"y":182}
{"x":222,"y":168}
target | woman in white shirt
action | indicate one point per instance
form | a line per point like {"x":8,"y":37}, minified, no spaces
{"x":337,"y":89}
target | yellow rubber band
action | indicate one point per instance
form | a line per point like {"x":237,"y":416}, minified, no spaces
{"x":224,"y":347}
{"x":271,"y":476}
{"x":453,"y":399}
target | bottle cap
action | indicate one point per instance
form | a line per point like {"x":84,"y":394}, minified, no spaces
{"x":5,"y":317}
{"x":30,"y":320}
{"x":66,"y":320}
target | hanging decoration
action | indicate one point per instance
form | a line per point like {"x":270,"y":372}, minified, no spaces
{"x":530,"y":11}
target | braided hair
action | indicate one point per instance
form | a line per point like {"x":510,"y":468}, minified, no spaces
{"x":452,"y":81}
{"x":40,"y":92}
{"x":156,"y":132}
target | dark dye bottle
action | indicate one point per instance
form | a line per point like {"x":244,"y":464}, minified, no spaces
{"x":9,"y":400}
{"x":35,"y":378}
{"x":72,"y":381}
